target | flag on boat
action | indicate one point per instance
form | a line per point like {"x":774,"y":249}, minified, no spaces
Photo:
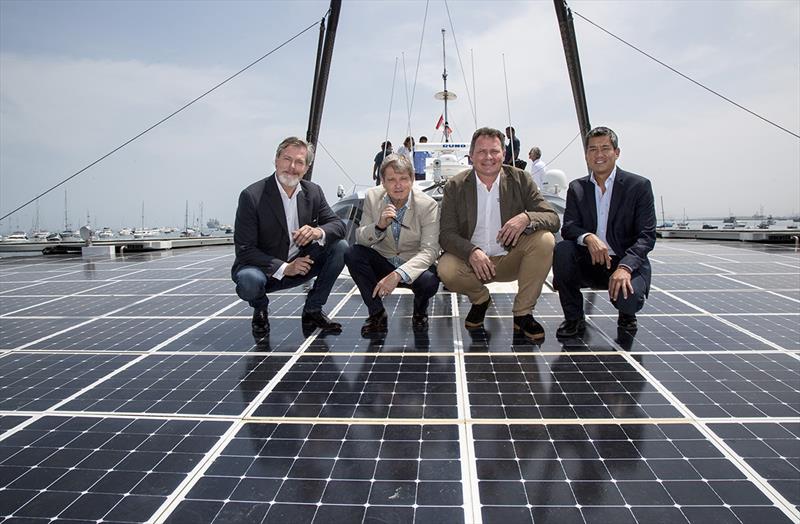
{"x":447,"y":130}
{"x":440,"y":122}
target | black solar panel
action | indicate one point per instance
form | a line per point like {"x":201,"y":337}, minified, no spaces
{"x":132,"y":390}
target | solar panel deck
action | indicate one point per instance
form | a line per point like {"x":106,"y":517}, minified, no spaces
{"x":131,"y":390}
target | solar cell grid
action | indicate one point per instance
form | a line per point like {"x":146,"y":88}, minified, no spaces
{"x":436,"y":426}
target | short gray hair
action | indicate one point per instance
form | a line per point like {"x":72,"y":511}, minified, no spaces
{"x":297,"y":142}
{"x":535,"y":153}
{"x":602,"y":131}
{"x":399,"y":163}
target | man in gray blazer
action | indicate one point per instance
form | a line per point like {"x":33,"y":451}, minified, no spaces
{"x":496,"y":226}
{"x":396,"y":244}
{"x":286,"y":234}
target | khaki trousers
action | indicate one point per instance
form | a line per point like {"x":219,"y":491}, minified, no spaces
{"x":528,"y":263}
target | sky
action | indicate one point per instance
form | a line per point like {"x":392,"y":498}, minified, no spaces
{"x":78,"y":79}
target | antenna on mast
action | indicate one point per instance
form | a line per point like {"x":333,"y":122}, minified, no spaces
{"x":445,"y":95}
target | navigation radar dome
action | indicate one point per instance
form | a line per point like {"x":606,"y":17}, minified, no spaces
{"x":554,"y":182}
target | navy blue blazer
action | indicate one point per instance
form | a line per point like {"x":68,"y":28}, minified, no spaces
{"x":631,"y":229}
{"x":261,"y":236}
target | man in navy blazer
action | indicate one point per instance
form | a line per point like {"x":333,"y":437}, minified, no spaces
{"x":609,"y":228}
{"x":286,"y":234}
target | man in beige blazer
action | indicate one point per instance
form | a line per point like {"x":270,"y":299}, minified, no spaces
{"x":396,"y":244}
{"x":496,"y":226}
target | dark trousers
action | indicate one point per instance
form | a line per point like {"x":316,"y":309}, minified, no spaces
{"x":252,"y":284}
{"x":367,"y":267}
{"x":573,"y":269}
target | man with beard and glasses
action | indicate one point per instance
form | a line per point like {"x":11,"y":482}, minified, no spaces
{"x":285,"y":235}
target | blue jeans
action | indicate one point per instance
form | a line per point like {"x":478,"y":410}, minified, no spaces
{"x":252,"y":284}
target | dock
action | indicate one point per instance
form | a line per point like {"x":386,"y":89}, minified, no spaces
{"x":120,"y":245}
{"x":779,"y":236}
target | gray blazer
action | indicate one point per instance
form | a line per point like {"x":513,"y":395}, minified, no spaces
{"x":518,"y":193}
{"x":419,"y":242}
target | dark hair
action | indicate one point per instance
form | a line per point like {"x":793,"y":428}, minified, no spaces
{"x":490,"y":132}
{"x":386,"y":144}
{"x":297,"y":142}
{"x":602,"y":131}
{"x":399,"y":163}
{"x":423,"y":139}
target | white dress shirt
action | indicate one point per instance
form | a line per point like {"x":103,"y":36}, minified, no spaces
{"x":488,"y":219}
{"x":538,"y":169}
{"x":292,"y":224}
{"x":602,"y":202}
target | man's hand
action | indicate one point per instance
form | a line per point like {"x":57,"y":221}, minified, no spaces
{"x":620,"y":280}
{"x":388,"y":214}
{"x":298,"y":266}
{"x":386,"y":285}
{"x":598,"y":250}
{"x":510,"y":232}
{"x":482,"y":265}
{"x":305,"y":235}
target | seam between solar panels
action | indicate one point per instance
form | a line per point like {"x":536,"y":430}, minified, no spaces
{"x":780,"y":501}
{"x":72,"y":328}
{"x":729,"y":323}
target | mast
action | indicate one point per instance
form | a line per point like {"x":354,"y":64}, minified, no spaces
{"x":564,"y":15}
{"x":142,"y":215}
{"x":321,"y":72}
{"x":66,"y":219}
{"x":186,"y":218}
{"x":444,"y":81}
{"x":663,"y":218}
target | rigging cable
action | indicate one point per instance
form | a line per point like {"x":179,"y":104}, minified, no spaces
{"x":514,"y":154}
{"x":419,"y":57}
{"x":461,"y":65}
{"x":319,"y":143}
{"x":564,"y":149}
{"x":692,"y":80}
{"x":391,"y":99}
{"x":251,"y":64}
{"x":408,"y":102}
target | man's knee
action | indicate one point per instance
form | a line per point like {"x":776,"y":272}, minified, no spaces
{"x":449,"y":268}
{"x":631,"y":305}
{"x":250,"y":283}
{"x":565,"y":252}
{"x":355,"y":254}
{"x":427,"y":284}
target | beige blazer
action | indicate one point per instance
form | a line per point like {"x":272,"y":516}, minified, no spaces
{"x":419,"y":242}
{"x":518,"y":193}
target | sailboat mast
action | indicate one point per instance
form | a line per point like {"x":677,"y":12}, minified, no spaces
{"x":663,"y":219}
{"x":66,"y":220}
{"x":142,"y":215}
{"x":444,"y":80}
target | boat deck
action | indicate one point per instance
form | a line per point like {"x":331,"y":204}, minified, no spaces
{"x":132,"y":390}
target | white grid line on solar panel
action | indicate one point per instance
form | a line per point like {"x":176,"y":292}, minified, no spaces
{"x":773,"y":281}
{"x":771,"y":449}
{"x":52,"y":335}
{"x":35,"y":382}
{"x":773,"y":494}
{"x":365,"y":386}
{"x":226,"y":336}
{"x":595,"y":470}
{"x":784,"y":327}
{"x":329,"y":454}
{"x":166,"y":453}
{"x":742,"y":301}
{"x":730,"y":385}
{"x":578,"y":386}
{"x":717,"y":317}
{"x":77,"y":306}
{"x":199,"y":385}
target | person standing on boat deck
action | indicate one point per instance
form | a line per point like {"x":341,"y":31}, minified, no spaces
{"x":512,"y":148}
{"x":609,"y":228}
{"x":285,"y":235}
{"x":407,"y":149}
{"x":496,"y":226}
{"x":386,"y":150}
{"x":396,"y":244}
{"x":538,"y":167}
{"x":419,"y":160}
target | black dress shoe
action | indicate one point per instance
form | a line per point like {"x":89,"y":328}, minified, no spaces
{"x":528,"y":326}
{"x":318,"y":319}
{"x":419,"y":321}
{"x":571,"y":328}
{"x":260,"y":321}
{"x":476,"y":315}
{"x":627,"y":322}
{"x":375,"y":324}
